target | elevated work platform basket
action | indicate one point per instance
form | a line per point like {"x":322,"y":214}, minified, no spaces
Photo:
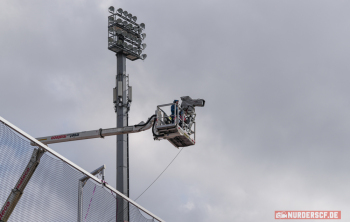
{"x":178,"y":128}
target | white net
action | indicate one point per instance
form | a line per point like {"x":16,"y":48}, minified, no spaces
{"x":52,"y":192}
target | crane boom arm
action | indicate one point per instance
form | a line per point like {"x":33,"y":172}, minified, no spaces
{"x":17,"y":192}
{"x":100,"y":133}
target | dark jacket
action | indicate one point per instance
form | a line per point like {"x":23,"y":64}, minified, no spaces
{"x":173,"y":114}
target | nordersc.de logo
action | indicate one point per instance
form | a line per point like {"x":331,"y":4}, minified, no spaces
{"x":307,"y":215}
{"x":281,"y":214}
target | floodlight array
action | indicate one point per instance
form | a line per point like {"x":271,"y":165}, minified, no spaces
{"x":125,"y":35}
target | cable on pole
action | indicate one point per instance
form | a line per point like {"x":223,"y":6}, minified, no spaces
{"x":100,"y":132}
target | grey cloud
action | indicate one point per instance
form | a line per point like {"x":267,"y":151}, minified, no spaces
{"x":273,"y":134}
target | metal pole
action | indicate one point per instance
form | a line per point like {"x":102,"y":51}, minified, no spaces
{"x":81,"y":184}
{"x":80,"y":201}
{"x":122,"y":141}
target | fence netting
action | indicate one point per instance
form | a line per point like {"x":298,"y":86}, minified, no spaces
{"x":52,"y":192}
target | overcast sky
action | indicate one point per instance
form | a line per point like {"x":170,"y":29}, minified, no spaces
{"x":275,"y":76}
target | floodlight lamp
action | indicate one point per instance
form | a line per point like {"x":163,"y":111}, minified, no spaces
{"x":143,"y":56}
{"x":129,"y":26}
{"x":143,"y":25}
{"x":125,"y":13}
{"x":125,"y":44}
{"x":129,"y":16}
{"x":125,"y":23}
{"x":139,"y":52}
{"x":120,"y":10}
{"x":139,"y":41}
{"x":139,"y":30}
{"x":119,"y":42}
{"x":110,"y":39}
{"x":143,"y":35}
{"x":130,"y":47}
{"x":119,"y":32}
{"x":111,"y":9}
{"x":111,"y":18}
{"x":119,"y":21}
{"x":134,"y":18}
{"x":144,"y":46}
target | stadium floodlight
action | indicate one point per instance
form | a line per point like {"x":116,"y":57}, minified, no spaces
{"x":119,"y":21}
{"x":127,"y":42}
{"x":125,"y":34}
{"x":128,"y":26}
{"x":122,"y":26}
{"x":119,"y":31}
{"x":111,"y":9}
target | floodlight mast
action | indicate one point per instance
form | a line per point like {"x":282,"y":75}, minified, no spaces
{"x":122,"y":31}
